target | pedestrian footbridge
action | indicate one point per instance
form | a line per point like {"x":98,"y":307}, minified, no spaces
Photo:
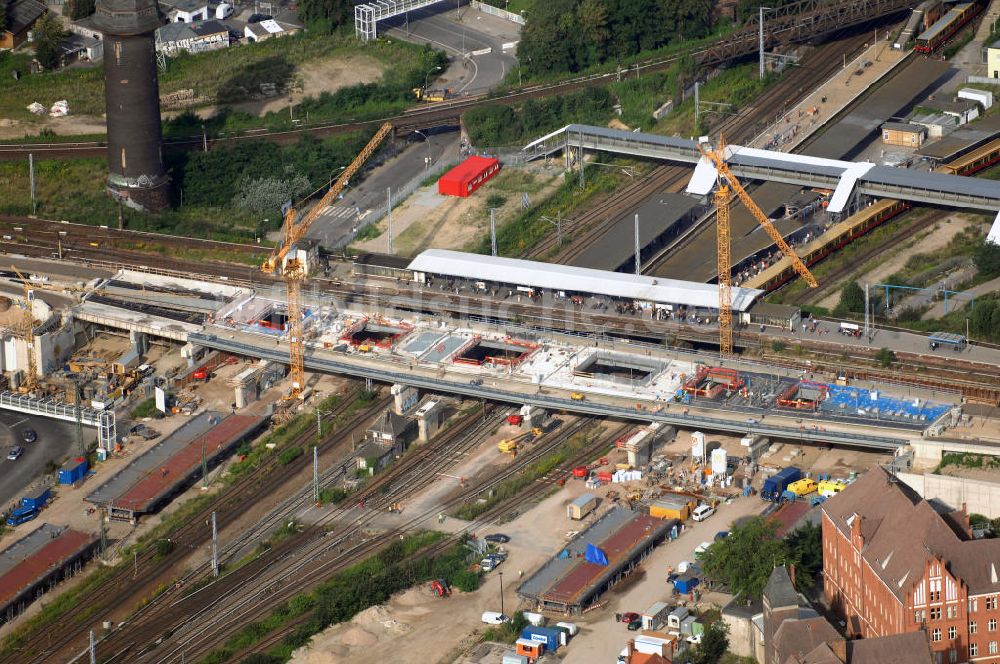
{"x":845,"y":178}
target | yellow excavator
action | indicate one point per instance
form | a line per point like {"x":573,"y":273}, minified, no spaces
{"x":509,"y":445}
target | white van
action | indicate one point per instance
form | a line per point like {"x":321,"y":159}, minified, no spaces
{"x":702,"y":512}
{"x":494,"y":618}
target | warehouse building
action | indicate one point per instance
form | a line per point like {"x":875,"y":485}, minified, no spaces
{"x":594,"y":561}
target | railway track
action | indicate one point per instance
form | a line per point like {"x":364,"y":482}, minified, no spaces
{"x":332,"y":542}
{"x":536,"y":490}
{"x":668,"y":333}
{"x":29,"y":229}
{"x":591,"y":225}
{"x":904,"y":227}
{"x":130,"y":583}
{"x":253,"y":611}
{"x":799,"y":22}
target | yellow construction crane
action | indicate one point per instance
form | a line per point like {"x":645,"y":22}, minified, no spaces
{"x":293,"y":269}
{"x":728,"y":182}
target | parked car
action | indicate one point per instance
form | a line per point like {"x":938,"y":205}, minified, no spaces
{"x":257,"y":18}
{"x":497,"y":538}
{"x":629,"y":617}
{"x":635,"y":625}
{"x":494,"y":618}
{"x":29,"y":435}
{"x":702,"y":512}
{"x":721,"y":535}
{"x":15,"y":453}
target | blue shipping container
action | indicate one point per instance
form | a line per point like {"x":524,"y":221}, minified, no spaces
{"x":73,"y":471}
{"x":774,"y":485}
{"x":38,"y":500}
{"x":551,"y":637}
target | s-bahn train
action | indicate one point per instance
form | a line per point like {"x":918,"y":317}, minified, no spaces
{"x":946,"y":26}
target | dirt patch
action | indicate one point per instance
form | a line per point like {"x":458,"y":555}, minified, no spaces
{"x":429,"y":220}
{"x":71,"y":125}
{"x":934,"y":239}
{"x":310,"y":80}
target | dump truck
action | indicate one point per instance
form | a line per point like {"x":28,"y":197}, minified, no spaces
{"x":775,"y":485}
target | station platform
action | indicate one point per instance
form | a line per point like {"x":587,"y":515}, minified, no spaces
{"x":38,"y":560}
{"x":661,"y":218}
{"x":146,"y":483}
{"x":568,"y":582}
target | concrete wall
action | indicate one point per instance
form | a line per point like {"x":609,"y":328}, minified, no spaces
{"x":979,"y":496}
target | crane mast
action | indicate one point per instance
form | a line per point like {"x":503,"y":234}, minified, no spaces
{"x":293,"y":268}
{"x":727,"y":183}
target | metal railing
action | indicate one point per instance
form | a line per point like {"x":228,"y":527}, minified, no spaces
{"x":102,"y":420}
{"x":496,"y":11}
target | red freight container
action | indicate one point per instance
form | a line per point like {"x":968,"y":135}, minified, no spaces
{"x":468,"y":176}
{"x":515,"y":420}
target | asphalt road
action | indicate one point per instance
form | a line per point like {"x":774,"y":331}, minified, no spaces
{"x":334,"y":225}
{"x":56,"y":441}
{"x":460,"y":34}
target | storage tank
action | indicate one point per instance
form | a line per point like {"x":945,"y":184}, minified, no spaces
{"x":719,"y":458}
{"x":698,"y":445}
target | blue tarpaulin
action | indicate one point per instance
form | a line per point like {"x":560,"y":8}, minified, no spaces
{"x":595,"y":555}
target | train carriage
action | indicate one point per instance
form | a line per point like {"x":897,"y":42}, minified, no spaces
{"x":946,"y":27}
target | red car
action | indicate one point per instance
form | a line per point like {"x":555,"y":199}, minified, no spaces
{"x":628,"y":617}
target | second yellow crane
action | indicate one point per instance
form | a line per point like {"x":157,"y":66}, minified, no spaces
{"x":727,"y":182}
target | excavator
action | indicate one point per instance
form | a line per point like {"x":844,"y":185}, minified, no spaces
{"x":509,"y":445}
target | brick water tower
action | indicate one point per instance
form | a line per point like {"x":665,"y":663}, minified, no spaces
{"x":136,"y":177}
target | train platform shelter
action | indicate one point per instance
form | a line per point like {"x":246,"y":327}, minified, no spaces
{"x":36,"y":562}
{"x":534,"y":275}
{"x":569,"y":582}
{"x":148,"y":482}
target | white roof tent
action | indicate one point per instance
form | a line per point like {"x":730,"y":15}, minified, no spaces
{"x":533,"y":274}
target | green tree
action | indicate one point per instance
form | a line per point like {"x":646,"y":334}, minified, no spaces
{"x":49,"y":34}
{"x":712,"y":648}
{"x":77,"y":9}
{"x":805,"y":551}
{"x":325,"y":16}
{"x":852,"y":299}
{"x":885,"y":357}
{"x":986,"y":319}
{"x":986,"y":256}
{"x":743,"y":561}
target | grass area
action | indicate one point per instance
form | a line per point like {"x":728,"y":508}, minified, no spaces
{"x":74,"y":189}
{"x":528,"y":228}
{"x":365,"y":584}
{"x":737,"y":86}
{"x":224,"y":76}
{"x":513,"y":6}
{"x":966,"y":460}
{"x":511,"y":487}
{"x":924,"y":269}
{"x":848,"y":255}
{"x":144,"y":409}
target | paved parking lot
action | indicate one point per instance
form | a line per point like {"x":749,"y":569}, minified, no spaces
{"x":56,"y":441}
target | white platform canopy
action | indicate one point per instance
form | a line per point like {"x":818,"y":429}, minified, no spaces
{"x":534,"y":274}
